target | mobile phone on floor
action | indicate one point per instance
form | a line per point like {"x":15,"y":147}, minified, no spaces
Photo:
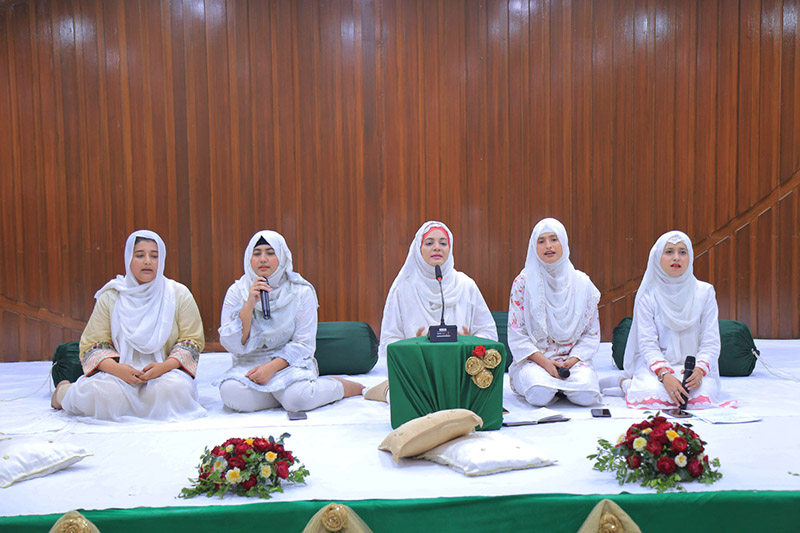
{"x":296,"y":415}
{"x":679,"y":413}
{"x":601,"y":413}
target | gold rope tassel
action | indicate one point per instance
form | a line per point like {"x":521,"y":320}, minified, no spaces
{"x":608,"y":517}
{"x":73,"y":522}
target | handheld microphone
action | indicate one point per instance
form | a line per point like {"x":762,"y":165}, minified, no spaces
{"x":265,"y":302}
{"x":688,"y":368}
{"x":442,"y":333}
{"x":563,"y":372}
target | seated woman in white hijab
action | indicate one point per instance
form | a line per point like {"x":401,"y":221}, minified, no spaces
{"x":414,"y":302}
{"x":674,"y":316}
{"x":141,"y":345}
{"x":273,"y":356}
{"x":553,"y":323}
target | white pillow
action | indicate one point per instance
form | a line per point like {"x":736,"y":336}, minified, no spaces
{"x":27,"y":458}
{"x":485,"y":453}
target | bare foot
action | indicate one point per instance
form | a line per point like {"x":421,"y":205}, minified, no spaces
{"x":55,"y":401}
{"x":351,"y":388}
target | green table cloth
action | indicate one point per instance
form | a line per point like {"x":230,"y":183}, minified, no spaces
{"x":426,"y":377}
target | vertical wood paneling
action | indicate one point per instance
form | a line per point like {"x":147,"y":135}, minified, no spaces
{"x":765,"y":271}
{"x":346,"y":124}
{"x":580,"y":146}
{"x":749,"y":116}
{"x":788,"y":273}
{"x":706,"y":97}
{"x":641,"y":229}
{"x":622,"y":133}
{"x":602,"y":145}
{"x":727,"y":113}
{"x":665,"y":126}
{"x":745,"y":277}
{"x":722,"y":277}
{"x":790,"y":91}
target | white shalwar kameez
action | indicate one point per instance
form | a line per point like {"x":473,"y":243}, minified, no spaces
{"x":673,"y":317}
{"x":553,"y":310}
{"x":414,"y":300}
{"x":290,"y":333}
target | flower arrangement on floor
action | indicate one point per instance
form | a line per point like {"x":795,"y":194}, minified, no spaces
{"x":657,"y":454}
{"x":246,"y":467}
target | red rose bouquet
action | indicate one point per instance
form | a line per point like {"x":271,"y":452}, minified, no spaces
{"x":246,"y":467}
{"x":657,"y":454}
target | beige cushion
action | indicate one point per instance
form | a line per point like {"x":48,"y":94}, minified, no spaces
{"x":421,"y":434}
{"x":27,"y":458}
{"x":487,"y":453}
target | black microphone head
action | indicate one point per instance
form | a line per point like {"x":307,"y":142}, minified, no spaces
{"x":438,"y":271}
{"x":689,"y":363}
{"x":563,"y":372}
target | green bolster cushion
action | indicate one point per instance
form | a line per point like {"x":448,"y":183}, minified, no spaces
{"x":346,"y":348}
{"x":737,"y":354}
{"x":342,"y":348}
{"x":501,"y":319}
{"x":66,"y":363}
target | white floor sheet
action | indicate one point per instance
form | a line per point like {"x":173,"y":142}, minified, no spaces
{"x":145,"y":465}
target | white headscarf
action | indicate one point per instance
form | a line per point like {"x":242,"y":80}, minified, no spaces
{"x":144,"y":313}
{"x":420,"y":290}
{"x":559,"y":300}
{"x":676,"y":298}
{"x":284,"y":282}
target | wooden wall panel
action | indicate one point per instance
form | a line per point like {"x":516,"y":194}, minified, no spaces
{"x":346,"y":124}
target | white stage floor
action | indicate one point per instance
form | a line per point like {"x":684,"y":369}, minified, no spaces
{"x":147,"y":464}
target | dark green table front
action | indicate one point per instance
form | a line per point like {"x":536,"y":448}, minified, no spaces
{"x":425,"y":377}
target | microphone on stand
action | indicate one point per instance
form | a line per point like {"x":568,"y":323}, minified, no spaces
{"x":265,"y":302}
{"x":688,"y":368}
{"x":442,"y":332}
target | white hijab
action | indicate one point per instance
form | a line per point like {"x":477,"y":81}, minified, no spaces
{"x":144,"y":313}
{"x":416,"y":287}
{"x":679,"y":307}
{"x":284,"y":282}
{"x":559,"y":300}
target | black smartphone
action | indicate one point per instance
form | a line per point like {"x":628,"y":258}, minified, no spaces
{"x":601,"y":413}
{"x":296,"y":415}
{"x":679,"y":413}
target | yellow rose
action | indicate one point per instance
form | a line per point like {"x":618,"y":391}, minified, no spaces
{"x":639,"y":444}
{"x":671,"y":434}
{"x":680,"y":460}
{"x":249,"y":441}
{"x":271,"y":456}
{"x":647,"y":431}
{"x":234,"y":475}
{"x":266,"y":471}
